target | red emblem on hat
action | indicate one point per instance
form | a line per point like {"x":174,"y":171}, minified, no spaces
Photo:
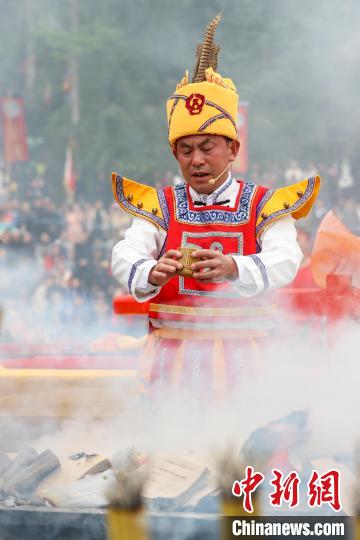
{"x":195,"y":103}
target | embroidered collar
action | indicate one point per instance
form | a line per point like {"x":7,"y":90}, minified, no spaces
{"x":240,"y":213}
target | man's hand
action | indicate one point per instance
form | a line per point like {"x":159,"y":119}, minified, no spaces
{"x":214,"y":266}
{"x":165,"y":268}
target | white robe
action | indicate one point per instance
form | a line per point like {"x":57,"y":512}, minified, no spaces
{"x":280,"y":254}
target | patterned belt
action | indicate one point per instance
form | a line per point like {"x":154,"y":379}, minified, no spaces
{"x":180,"y":333}
{"x":255,"y":311}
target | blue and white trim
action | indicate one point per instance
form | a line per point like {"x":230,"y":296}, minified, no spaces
{"x":133,"y":270}
{"x":164,"y":207}
{"x":267,"y":195}
{"x":300,"y":202}
{"x":138,"y":211}
{"x":262,"y":269}
{"x":221,"y":216}
{"x":224,"y":114}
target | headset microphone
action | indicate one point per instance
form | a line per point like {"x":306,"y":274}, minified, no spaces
{"x":212,"y":181}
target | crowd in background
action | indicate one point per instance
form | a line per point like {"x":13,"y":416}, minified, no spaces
{"x":55,"y":259}
{"x":59,"y":254}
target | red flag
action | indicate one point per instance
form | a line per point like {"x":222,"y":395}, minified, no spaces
{"x":14,"y":130}
{"x":240,"y":165}
{"x":69,"y":171}
{"x":336,"y":251}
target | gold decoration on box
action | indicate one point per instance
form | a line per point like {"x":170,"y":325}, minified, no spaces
{"x":187,"y":260}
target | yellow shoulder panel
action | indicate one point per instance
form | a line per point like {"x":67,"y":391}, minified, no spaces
{"x":295,"y":200}
{"x":140,"y":200}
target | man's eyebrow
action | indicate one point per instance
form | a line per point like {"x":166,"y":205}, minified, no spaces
{"x":183,"y":144}
{"x":207,"y":141}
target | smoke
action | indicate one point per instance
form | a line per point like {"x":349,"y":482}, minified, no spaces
{"x":37,"y":308}
{"x":301,"y":369}
{"x":292,"y":375}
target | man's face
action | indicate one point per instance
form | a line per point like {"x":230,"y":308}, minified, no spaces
{"x":203,"y":157}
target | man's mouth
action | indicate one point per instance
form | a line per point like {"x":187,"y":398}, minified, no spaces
{"x":199,"y":175}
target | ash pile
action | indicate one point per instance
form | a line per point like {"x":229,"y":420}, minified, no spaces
{"x":186,"y":483}
{"x":28,"y":477}
{"x":84,"y":481}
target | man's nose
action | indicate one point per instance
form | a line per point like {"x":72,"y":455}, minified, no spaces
{"x":198,"y":158}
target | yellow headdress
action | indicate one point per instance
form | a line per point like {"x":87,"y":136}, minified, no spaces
{"x":209,"y":103}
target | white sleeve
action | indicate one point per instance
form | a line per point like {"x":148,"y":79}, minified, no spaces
{"x":135,"y":255}
{"x":277,"y":263}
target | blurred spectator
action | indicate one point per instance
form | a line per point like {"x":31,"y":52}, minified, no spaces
{"x":348,"y":215}
{"x":177,"y":179}
{"x":37,"y":189}
{"x":99,"y":225}
{"x":319,"y":211}
{"x":293,"y":173}
{"x":346,"y":181}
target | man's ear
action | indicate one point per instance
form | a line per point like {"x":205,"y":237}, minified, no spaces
{"x":234,"y":149}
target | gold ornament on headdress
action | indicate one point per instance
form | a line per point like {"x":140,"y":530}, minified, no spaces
{"x":207,"y":52}
{"x":184,"y":81}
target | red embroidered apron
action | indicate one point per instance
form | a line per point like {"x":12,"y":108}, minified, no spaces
{"x":207,"y":330}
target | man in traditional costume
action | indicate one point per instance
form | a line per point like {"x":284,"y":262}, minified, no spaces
{"x":204,"y":323}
